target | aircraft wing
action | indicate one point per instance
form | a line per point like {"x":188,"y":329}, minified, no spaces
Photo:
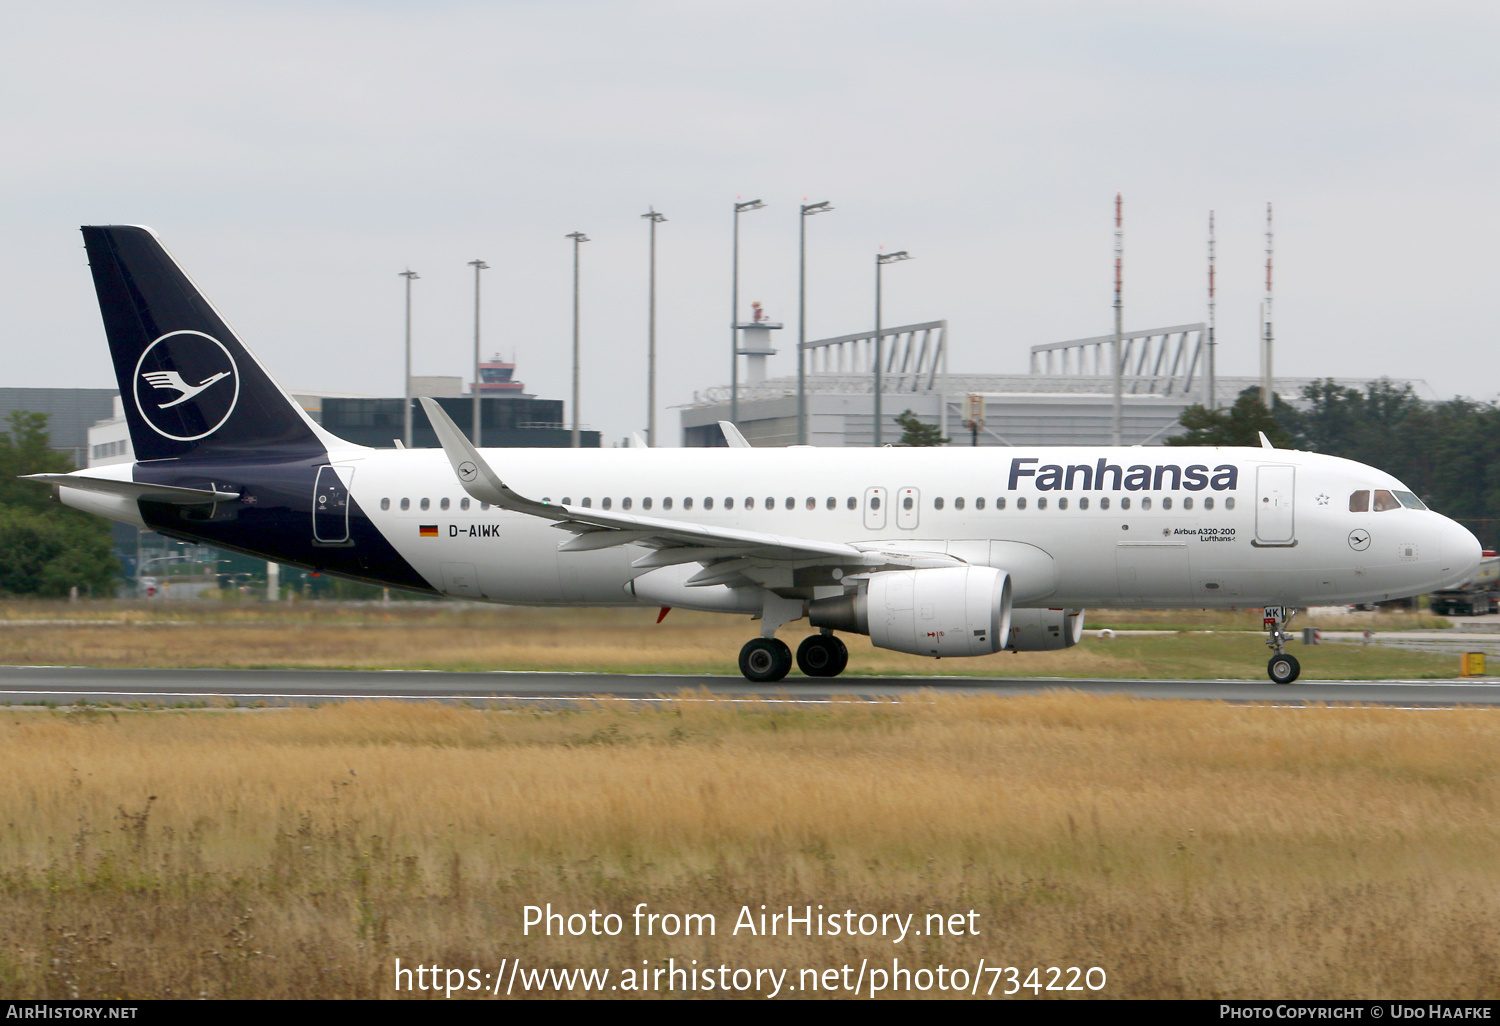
{"x":729,"y":555}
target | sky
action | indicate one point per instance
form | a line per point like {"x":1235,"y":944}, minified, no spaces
{"x":295,"y":157}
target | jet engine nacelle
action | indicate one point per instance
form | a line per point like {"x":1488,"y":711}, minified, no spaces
{"x":946,"y":611}
{"x":1044,"y":630}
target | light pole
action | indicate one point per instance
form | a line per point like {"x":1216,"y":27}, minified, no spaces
{"x":1117,"y":424}
{"x":881,"y":259}
{"x":734,"y":315}
{"x":478,"y":265}
{"x":578,"y":238}
{"x":410,"y":276}
{"x":655,"y":219}
{"x":808,"y":209}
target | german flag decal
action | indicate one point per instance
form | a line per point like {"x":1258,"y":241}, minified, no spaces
{"x":429,"y":530}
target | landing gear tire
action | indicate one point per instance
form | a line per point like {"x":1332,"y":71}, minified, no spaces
{"x":1284,"y":668}
{"x":822,"y":655}
{"x":765,"y":660}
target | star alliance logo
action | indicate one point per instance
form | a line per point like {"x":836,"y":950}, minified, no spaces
{"x":186,"y":385}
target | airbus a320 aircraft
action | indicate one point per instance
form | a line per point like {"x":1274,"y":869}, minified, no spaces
{"x":933,"y":551}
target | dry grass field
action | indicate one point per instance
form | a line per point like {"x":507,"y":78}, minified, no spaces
{"x":465,"y":637}
{"x":1189,"y":849}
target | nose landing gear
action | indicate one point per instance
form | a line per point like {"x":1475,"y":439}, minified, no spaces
{"x":1283,"y":668}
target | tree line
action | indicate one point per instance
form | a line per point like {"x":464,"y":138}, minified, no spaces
{"x":46,"y":548}
{"x":1446,"y":452}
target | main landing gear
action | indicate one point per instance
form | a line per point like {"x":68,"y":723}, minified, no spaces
{"x":767,"y":660}
{"x":1283,"y":668}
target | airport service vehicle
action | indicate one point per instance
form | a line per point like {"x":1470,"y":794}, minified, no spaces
{"x":933,"y":551}
{"x":1478,"y":596}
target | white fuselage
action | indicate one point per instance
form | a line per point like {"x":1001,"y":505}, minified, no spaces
{"x":1278,"y":531}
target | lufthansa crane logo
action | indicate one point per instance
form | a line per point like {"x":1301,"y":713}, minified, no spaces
{"x":186,"y":385}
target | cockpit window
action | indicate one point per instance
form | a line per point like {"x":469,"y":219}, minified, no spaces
{"x":1359,"y":502}
{"x":1409,"y":500}
{"x":1384,"y":500}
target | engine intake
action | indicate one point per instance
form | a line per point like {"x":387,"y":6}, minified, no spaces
{"x":947,"y":611}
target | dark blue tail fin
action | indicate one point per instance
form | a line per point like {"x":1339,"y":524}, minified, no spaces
{"x":188,"y":385}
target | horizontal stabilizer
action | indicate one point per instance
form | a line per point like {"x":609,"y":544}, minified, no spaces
{"x":136,"y":489}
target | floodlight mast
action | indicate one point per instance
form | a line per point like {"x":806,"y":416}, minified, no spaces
{"x":881,"y":259}
{"x":578,"y":238}
{"x":808,"y":209}
{"x":478,"y":265}
{"x":734,"y":314}
{"x":655,"y":219}
{"x":410,"y":276}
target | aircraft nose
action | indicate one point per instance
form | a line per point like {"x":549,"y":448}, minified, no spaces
{"x":1460,"y":552}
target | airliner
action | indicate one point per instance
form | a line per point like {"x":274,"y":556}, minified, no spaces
{"x":940,"y":552}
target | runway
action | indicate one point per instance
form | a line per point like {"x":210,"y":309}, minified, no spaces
{"x":33,"y":685}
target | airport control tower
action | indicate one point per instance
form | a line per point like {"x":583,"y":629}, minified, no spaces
{"x":755,"y":343}
{"x":496,"y":380}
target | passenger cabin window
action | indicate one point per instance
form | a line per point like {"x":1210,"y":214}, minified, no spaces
{"x":406,"y":504}
{"x":1041,"y":503}
{"x":426,"y":503}
{"x":958,"y":503}
{"x":385,"y":503}
{"x":1083,"y":503}
{"x":832,"y":503}
{"x":1359,"y":502}
{"x":442,"y":503}
{"x":625,"y":502}
{"x":770,"y":502}
{"x":464,"y":503}
{"x":1187,"y":503}
{"x":906,"y":502}
{"x":1166,"y":502}
{"x":875,"y":502}
{"x":979,"y":503}
{"x":749,"y":502}
{"x":812,"y":503}
{"x":1062,"y":503}
{"x":791,"y":503}
{"x":1000,"y":503}
{"x":1208,"y":503}
{"x":1384,"y":500}
{"x":646,"y":502}
{"x":1104,"y":502}
{"x":853,"y":503}
{"x":728,"y":503}
{"x":666,"y":503}
{"x":605,"y":502}
{"x":1146,"y":502}
{"x":936,"y":503}
{"x":1228,"y":503}
{"x":708,"y":503}
{"x":587,"y":502}
{"x":1125,"y":502}
{"x":1021,"y":502}
{"x":687,"y":503}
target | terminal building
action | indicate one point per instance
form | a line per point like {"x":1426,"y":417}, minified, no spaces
{"x":1066,"y":398}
